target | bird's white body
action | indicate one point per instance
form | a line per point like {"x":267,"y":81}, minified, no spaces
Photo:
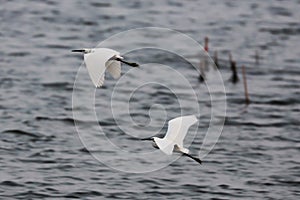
{"x":98,"y":61}
{"x":177,"y":130}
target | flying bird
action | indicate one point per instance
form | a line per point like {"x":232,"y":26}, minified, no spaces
{"x":99,"y":60}
{"x":173,"y":140}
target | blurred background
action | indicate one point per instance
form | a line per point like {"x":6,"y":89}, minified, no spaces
{"x":42,"y":156}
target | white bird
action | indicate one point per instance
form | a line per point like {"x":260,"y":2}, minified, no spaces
{"x":99,"y":60}
{"x":173,"y":140}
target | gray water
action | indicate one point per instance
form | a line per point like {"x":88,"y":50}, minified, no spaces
{"x":42,"y":156}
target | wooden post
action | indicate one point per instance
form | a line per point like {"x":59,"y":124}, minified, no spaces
{"x":256,"y":57}
{"x":230,"y":58}
{"x":206,"y":44}
{"x":202,"y":72}
{"x":247,"y":100}
{"x":205,"y":55}
{"x":234,"y":76}
{"x":216,"y":59}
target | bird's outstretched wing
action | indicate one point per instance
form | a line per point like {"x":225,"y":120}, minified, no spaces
{"x":96,"y":64}
{"x":114,"y":68}
{"x":164,"y":145}
{"x":178,"y":127}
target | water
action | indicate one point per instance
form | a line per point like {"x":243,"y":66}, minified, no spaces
{"x":42,"y":157}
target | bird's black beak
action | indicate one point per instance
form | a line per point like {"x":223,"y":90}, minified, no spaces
{"x":78,"y":50}
{"x":147,"y":139}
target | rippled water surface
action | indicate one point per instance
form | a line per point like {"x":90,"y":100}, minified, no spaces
{"x":42,"y":156}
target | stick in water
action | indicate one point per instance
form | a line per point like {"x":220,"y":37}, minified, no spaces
{"x":256,"y":57}
{"x":247,"y":100}
{"x":216,"y":59}
{"x":234,"y":76}
{"x":202,"y":72}
{"x":127,"y":63}
{"x":230,"y":57}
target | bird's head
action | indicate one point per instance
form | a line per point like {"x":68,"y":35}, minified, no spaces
{"x":153,"y":141}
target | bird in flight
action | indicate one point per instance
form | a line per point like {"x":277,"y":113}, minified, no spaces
{"x":173,"y":140}
{"x":99,"y":60}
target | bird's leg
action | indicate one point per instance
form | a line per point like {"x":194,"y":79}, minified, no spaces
{"x":127,"y":63}
{"x":185,"y":153}
{"x":192,"y":157}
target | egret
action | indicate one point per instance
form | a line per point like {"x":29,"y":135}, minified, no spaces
{"x":173,"y":140}
{"x":99,"y":60}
